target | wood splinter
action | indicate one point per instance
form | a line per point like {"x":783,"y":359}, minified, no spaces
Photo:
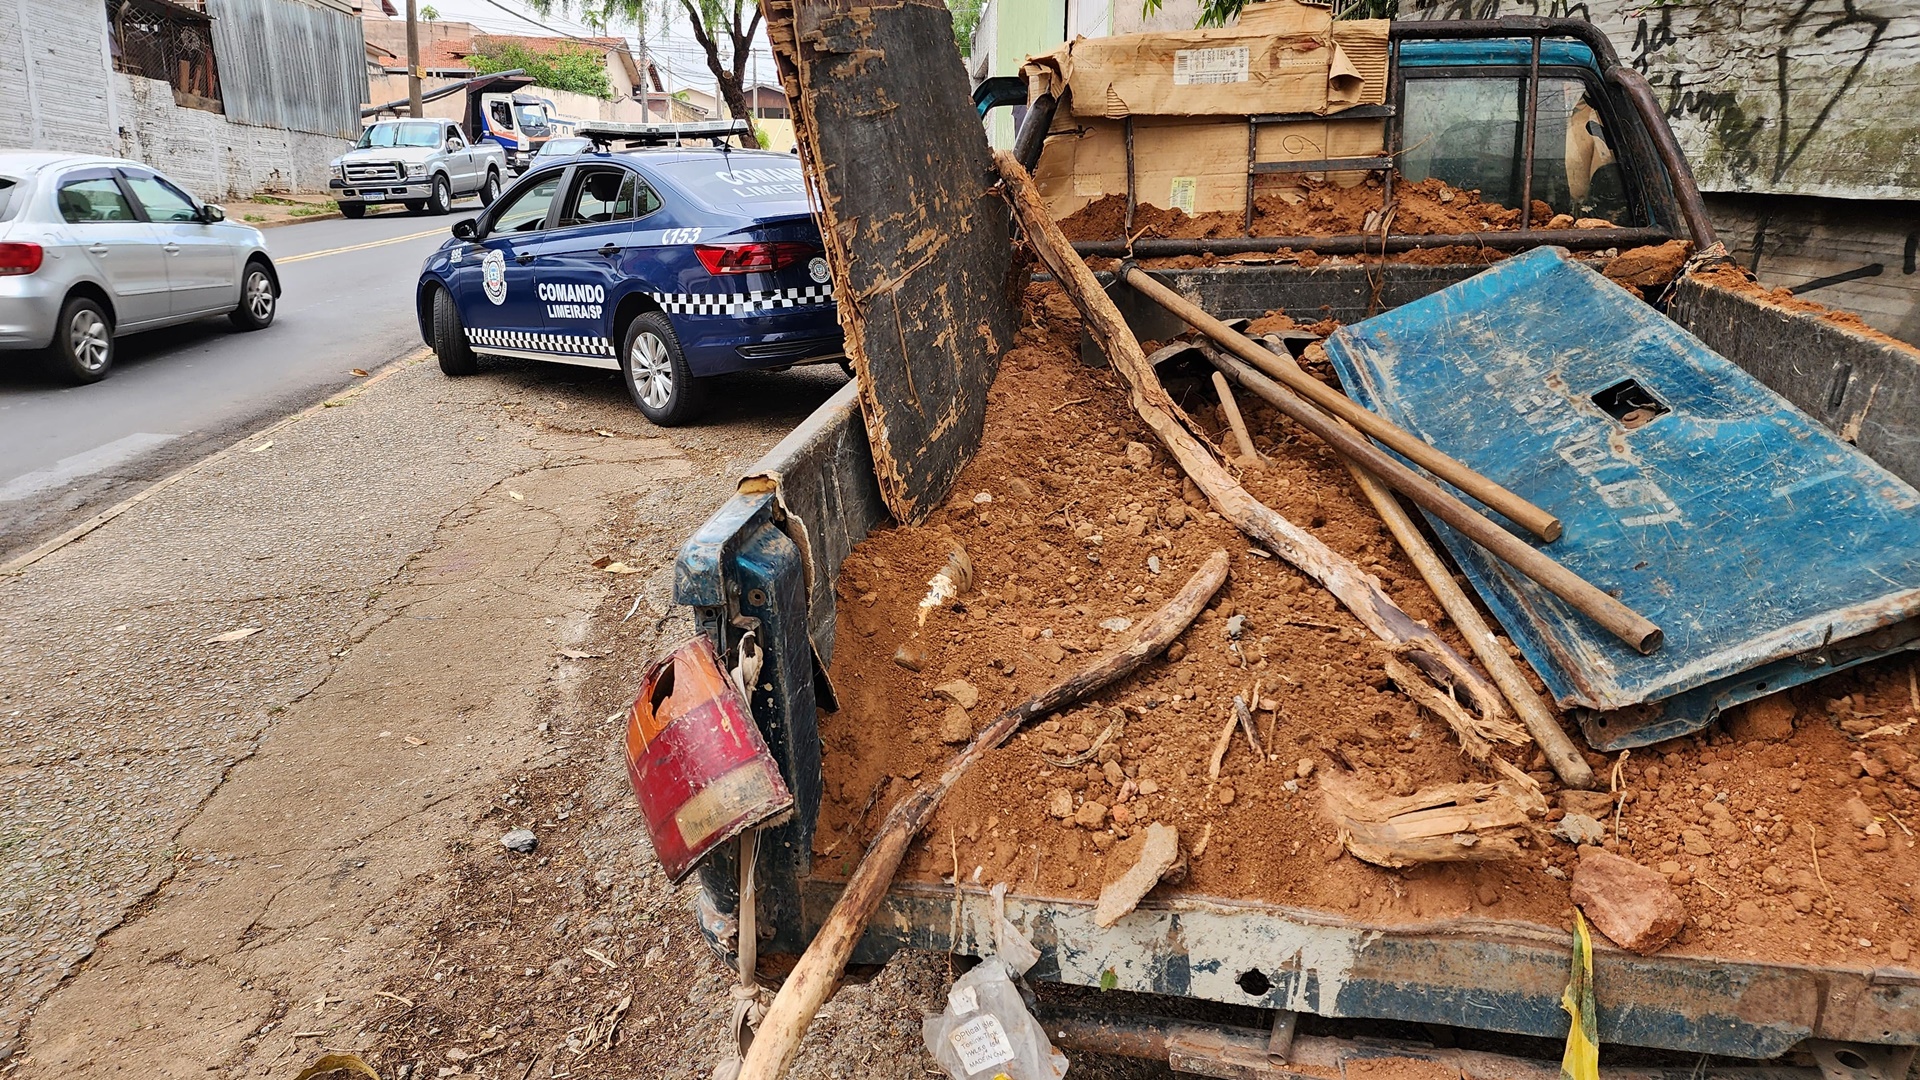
{"x":811,"y":982}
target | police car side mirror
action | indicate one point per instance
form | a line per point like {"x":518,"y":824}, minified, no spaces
{"x":466,"y":229}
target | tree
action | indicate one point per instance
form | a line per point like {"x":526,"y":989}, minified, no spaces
{"x":724,"y":29}
{"x":966,"y":16}
{"x":430,"y":13}
{"x":564,"y":67}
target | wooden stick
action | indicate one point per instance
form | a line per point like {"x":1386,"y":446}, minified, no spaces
{"x":1617,"y":618}
{"x":1234,"y":419}
{"x":1353,"y":587}
{"x":811,"y":982}
{"x":1567,"y":763}
{"x":1513,"y":507}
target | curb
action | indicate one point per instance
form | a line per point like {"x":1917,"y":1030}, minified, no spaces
{"x":334,"y":216}
{"x":12,"y":567}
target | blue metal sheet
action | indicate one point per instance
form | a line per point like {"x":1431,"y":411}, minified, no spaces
{"x":1766,"y":548}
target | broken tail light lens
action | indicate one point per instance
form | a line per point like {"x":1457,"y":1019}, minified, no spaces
{"x":753,"y":258}
{"x":699,"y":767}
{"x":17,"y":259}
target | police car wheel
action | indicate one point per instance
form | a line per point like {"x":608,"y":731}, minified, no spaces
{"x":450,"y":338}
{"x":442,"y":199}
{"x":656,"y":372}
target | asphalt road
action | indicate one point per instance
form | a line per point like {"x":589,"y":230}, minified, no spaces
{"x":174,"y":395}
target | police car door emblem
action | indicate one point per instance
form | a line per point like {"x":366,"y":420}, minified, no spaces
{"x":493,"y":276}
{"x":817,"y":269}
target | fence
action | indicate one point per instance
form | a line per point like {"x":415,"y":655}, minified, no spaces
{"x":289,"y":64}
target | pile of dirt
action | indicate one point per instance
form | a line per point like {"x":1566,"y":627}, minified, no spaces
{"x":1309,"y":207}
{"x":1078,"y":525}
{"x":1728,"y":276}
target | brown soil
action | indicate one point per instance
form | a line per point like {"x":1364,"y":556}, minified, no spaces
{"x":1425,"y":207}
{"x":1061,"y":512}
{"x":1729,"y":276}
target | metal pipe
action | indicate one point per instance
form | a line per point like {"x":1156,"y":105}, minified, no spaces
{"x":1679,"y":174}
{"x":1527,"y":136}
{"x":1155,"y":1038}
{"x":1031,"y":139}
{"x":436,"y":95}
{"x":1617,"y":618}
{"x":1360,"y":244}
{"x":1324,"y":397}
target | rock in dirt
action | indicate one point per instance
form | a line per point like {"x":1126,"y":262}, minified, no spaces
{"x":1146,"y":856}
{"x":1060,"y":803}
{"x":1594,"y":804}
{"x":1769,"y":719}
{"x":956,"y":726}
{"x":1631,"y":904}
{"x":1647,"y":267}
{"x":1580,"y":829}
{"x":520,"y":840}
{"x":1091,"y":815}
{"x":960,"y":692}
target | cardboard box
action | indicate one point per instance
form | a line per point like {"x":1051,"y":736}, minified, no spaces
{"x":1199,"y":166}
{"x":1288,"y":58}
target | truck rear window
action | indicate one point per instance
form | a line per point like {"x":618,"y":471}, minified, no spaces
{"x":741,"y":179}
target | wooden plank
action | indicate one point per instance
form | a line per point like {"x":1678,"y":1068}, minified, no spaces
{"x":918,"y":242}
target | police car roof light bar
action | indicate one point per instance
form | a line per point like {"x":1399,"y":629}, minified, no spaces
{"x":607,"y":132}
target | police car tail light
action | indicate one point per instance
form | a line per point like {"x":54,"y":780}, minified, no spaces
{"x":17,"y":259}
{"x":753,"y":258}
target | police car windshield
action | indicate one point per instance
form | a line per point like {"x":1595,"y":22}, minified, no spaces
{"x":749,"y":180}
{"x":382,"y":136}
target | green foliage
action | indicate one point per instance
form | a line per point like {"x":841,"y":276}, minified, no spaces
{"x":430,"y":13}
{"x":1109,"y":980}
{"x":966,"y":16}
{"x":1221,"y":12}
{"x":575,"y":68}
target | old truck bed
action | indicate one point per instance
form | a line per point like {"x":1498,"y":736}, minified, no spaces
{"x":768,"y":559}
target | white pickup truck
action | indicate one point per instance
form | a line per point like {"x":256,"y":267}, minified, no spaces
{"x":424,"y":164}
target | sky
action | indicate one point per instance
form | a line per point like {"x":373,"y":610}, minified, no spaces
{"x":679,"y":58}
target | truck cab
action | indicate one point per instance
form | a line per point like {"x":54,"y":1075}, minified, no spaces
{"x":519,"y":123}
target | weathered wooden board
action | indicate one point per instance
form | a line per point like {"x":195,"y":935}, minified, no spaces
{"x":917,"y":239}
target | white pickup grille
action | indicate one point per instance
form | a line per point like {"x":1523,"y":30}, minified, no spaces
{"x":361,"y":172}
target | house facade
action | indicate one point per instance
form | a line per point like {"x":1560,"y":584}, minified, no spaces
{"x":230,"y":97}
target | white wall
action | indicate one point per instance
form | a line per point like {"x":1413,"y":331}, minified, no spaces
{"x":54,"y":52}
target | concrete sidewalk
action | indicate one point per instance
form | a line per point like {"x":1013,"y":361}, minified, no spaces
{"x":266,"y":818}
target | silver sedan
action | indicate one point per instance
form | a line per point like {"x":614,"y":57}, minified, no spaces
{"x":93,"y":248}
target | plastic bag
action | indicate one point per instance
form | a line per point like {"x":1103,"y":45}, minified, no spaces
{"x":987,"y":1032}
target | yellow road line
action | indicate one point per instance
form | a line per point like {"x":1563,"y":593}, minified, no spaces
{"x":359,"y":247}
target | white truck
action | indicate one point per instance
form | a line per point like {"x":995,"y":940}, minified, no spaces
{"x":422,"y":163}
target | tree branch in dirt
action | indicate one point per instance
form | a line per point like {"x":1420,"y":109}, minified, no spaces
{"x":1448,"y":823}
{"x":1353,"y":587}
{"x":812,"y":980}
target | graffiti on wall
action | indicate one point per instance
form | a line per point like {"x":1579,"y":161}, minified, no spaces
{"x":1803,"y":96}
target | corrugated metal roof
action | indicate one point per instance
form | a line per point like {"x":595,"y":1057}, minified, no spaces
{"x":297,"y":64}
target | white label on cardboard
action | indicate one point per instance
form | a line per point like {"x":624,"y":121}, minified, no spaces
{"x":1180,"y":195}
{"x":1206,"y":67}
{"x":981,"y":1043}
{"x":964,"y":1000}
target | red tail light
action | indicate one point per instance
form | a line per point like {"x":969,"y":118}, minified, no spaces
{"x":753,"y":258}
{"x":20,"y":258}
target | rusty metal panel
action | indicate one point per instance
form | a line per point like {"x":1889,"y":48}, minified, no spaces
{"x":916,"y":234}
{"x":1768,"y":550}
{"x":1473,"y":973}
{"x":290,"y":64}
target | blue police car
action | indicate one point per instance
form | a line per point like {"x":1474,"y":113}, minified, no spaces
{"x":668,"y":265}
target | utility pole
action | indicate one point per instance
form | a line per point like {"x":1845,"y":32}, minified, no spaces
{"x":413,"y":60}
{"x":646,"y":82}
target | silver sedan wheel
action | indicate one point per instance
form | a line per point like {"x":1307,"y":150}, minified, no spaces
{"x":259,"y":296}
{"x":90,"y":339}
{"x":650,"y":367}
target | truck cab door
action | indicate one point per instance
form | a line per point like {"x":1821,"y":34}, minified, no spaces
{"x":494,"y":281}
{"x":586,"y":255}
{"x":459,"y":157}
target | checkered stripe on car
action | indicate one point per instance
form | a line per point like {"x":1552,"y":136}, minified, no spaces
{"x":565,"y":344}
{"x":750,"y":303}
